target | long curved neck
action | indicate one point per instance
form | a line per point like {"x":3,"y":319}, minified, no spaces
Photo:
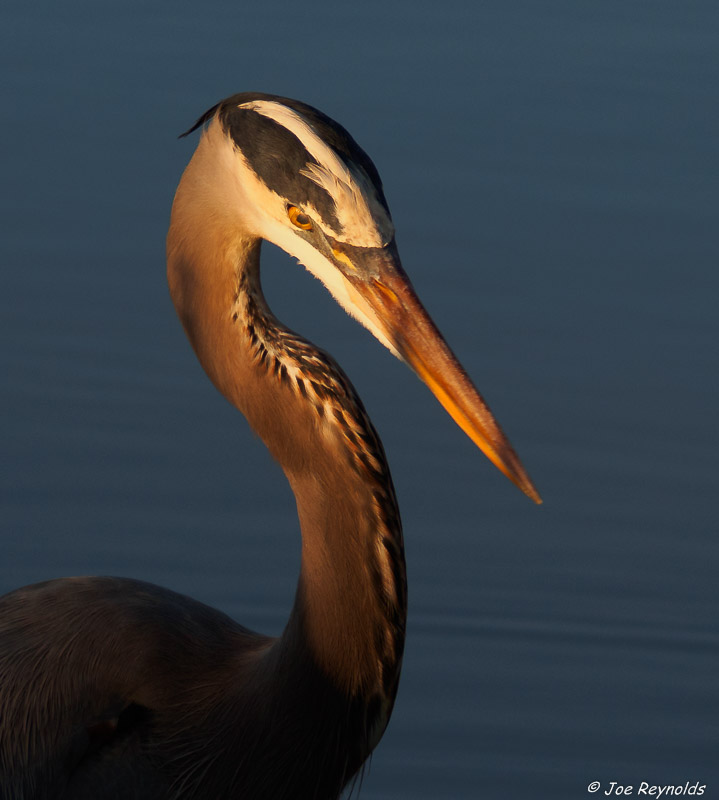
{"x":350,"y":606}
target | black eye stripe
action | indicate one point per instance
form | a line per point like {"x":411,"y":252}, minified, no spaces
{"x":262,"y":141}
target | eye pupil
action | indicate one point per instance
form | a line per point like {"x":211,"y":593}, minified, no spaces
{"x":299,"y":218}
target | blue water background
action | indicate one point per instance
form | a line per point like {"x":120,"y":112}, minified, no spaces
{"x":553,"y":172}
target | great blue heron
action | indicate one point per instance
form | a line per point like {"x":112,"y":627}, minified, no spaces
{"x":113,"y":688}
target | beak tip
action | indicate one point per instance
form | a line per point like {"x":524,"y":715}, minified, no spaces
{"x":536,"y":497}
{"x":526,"y":485}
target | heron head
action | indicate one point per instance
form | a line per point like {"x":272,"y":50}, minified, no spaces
{"x":308,"y":187}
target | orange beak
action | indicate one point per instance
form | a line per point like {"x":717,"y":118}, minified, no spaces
{"x":410,"y":329}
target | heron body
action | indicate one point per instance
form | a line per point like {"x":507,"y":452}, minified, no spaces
{"x":113,"y":688}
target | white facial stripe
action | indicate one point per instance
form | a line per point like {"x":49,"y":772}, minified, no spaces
{"x":365,"y":222}
{"x":336,"y":283}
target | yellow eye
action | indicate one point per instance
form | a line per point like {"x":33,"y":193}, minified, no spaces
{"x":298,"y":218}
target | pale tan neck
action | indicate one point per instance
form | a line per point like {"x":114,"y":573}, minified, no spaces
{"x":351,"y":599}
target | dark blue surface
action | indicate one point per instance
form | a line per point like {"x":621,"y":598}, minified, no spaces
{"x":553,"y":173}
